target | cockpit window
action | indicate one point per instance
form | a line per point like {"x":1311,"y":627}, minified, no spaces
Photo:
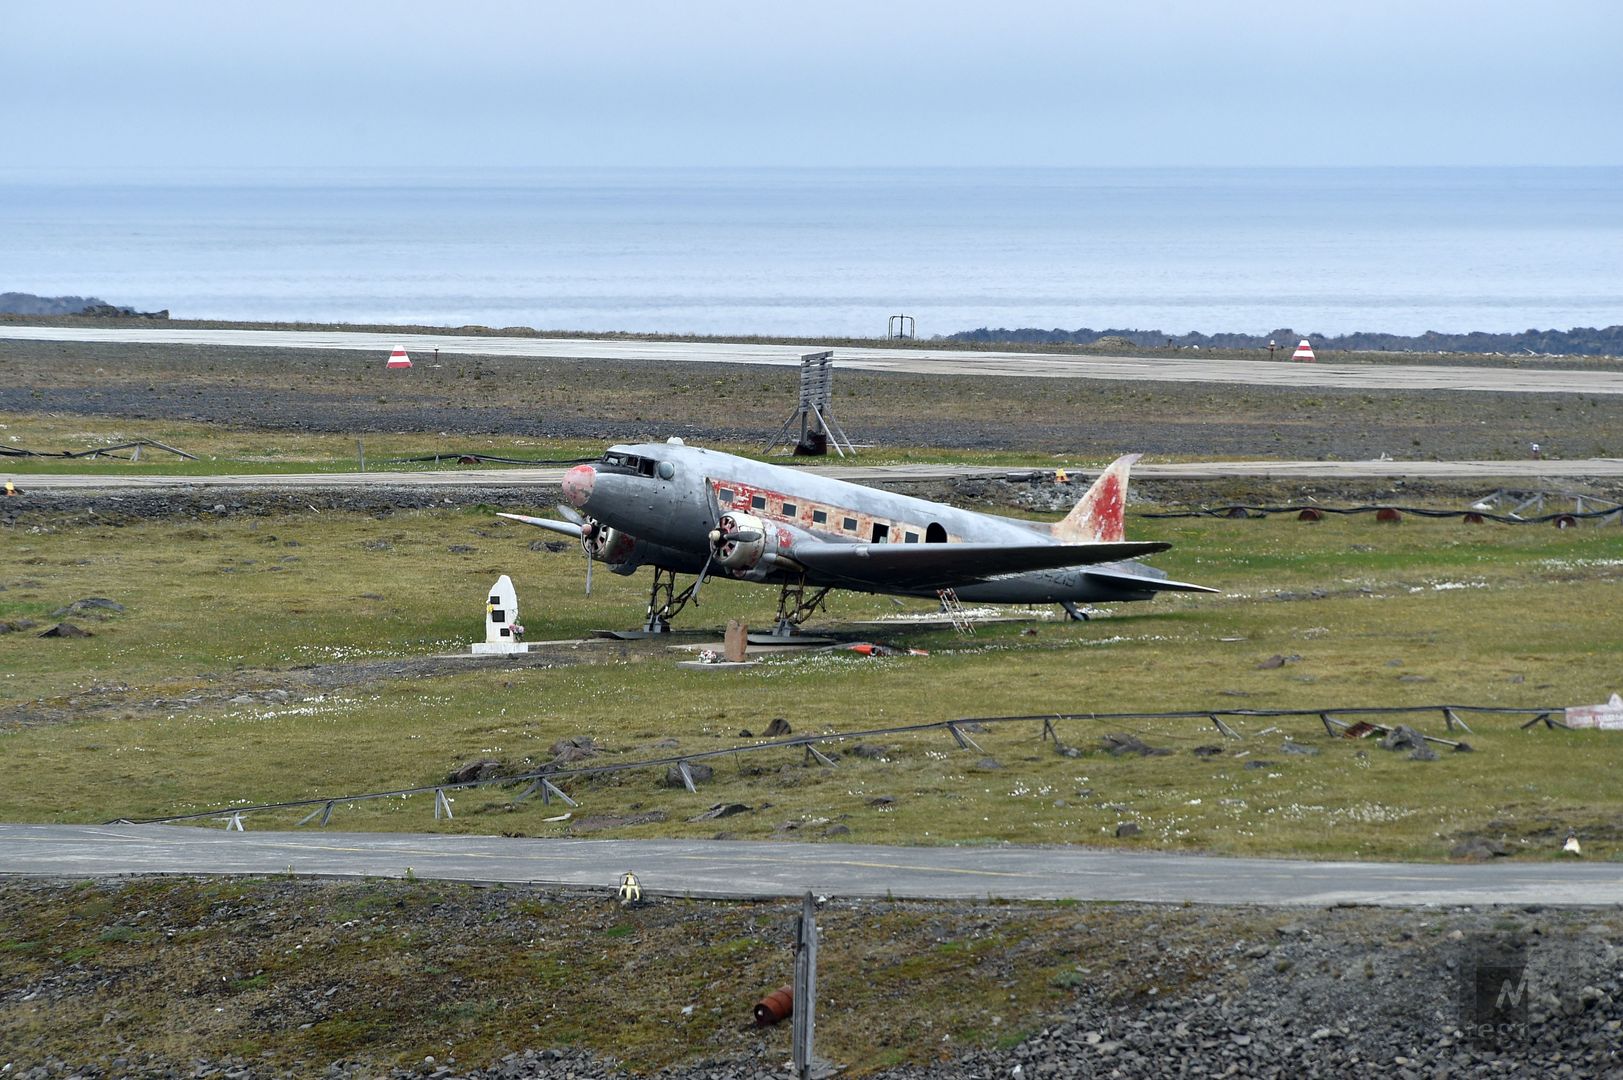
{"x":631,"y":462}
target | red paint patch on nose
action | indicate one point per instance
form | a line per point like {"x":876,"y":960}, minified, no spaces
{"x":578,"y":484}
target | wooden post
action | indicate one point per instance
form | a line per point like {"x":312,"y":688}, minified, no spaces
{"x":804,"y":1017}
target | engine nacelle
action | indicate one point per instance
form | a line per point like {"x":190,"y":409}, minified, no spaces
{"x":738,"y":542}
{"x":605,"y":543}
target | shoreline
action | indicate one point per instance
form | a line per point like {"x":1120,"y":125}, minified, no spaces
{"x":1111,"y":342}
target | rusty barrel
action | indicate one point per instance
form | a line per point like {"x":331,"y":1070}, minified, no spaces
{"x":1310,"y":514}
{"x":775,"y":1007}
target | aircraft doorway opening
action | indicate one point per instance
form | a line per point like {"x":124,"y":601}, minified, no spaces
{"x":881,"y":533}
{"x":935,"y":533}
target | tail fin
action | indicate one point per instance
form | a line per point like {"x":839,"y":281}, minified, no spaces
{"x":1098,"y":515}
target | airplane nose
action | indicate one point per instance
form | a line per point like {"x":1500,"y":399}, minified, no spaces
{"x":578,"y":485}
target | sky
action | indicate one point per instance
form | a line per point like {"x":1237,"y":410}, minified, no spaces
{"x":190,"y":84}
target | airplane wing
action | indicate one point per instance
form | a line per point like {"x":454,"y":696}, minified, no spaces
{"x":941,"y":566}
{"x":1146,"y":583}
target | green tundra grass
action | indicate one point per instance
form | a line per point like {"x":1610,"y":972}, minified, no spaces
{"x":165,"y":711}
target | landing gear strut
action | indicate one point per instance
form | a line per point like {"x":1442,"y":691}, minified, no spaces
{"x":664,"y":601}
{"x":794,"y":608}
{"x":1072,"y":612}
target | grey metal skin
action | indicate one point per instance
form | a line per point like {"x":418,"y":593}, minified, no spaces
{"x":665,"y":496}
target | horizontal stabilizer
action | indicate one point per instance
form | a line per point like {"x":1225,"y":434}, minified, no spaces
{"x":941,"y":566}
{"x":1147,"y":584}
{"x":566,"y":527}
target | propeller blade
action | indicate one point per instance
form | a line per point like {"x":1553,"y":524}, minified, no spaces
{"x":742,"y":536}
{"x":589,"y":561}
{"x":570,"y":514}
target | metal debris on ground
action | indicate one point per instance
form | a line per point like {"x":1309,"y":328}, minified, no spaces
{"x":101,"y":451}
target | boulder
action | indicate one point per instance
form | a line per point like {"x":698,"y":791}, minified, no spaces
{"x":64,"y":630}
{"x":483,"y":769}
{"x":778,"y":728}
{"x":1402,"y":737}
{"x":696,"y":769}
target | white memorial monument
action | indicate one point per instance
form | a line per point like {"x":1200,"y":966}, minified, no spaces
{"x":503,"y":633}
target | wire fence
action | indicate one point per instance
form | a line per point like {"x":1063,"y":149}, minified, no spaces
{"x":545,"y":781}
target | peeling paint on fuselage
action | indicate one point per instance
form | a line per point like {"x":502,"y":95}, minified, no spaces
{"x":671,"y":516}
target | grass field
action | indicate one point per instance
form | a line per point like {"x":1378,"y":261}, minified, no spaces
{"x":262,"y":659}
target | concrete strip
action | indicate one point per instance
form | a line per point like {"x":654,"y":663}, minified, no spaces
{"x":750,"y":869}
{"x":1198,"y":369}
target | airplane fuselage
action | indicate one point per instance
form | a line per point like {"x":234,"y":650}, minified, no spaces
{"x":662,"y":501}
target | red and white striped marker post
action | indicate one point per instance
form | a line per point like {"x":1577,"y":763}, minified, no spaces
{"x":1304,"y":351}
{"x":398,"y":358}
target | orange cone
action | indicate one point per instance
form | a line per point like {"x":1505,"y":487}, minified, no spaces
{"x":398,"y":358}
{"x":1304,"y":351}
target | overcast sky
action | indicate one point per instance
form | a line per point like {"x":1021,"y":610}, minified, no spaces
{"x":837,"y":82}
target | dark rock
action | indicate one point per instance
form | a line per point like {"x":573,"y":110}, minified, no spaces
{"x":1291,"y":746}
{"x":483,"y":769}
{"x":1260,"y":763}
{"x":1478,"y":849}
{"x":15,"y":625}
{"x":461,"y":549}
{"x":1274,"y":661}
{"x":1423,"y":753}
{"x":987,"y":764}
{"x":1206,"y":751}
{"x":696,"y":769}
{"x":1402,"y":737}
{"x":65,"y":630}
{"x":746,"y":733}
{"x":721,"y":810}
{"x":882,"y":800}
{"x":868,"y":750}
{"x":837,"y":830}
{"x":778,"y":728}
{"x":1128,"y":828}
{"x":573,"y":749}
{"x":89,"y":603}
{"x":1119,"y":744}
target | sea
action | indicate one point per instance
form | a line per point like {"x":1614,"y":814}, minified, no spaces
{"x":815,"y":252}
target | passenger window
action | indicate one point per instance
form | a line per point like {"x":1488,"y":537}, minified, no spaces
{"x":849,"y":524}
{"x":819,"y":517}
{"x":789,"y":509}
{"x":758,"y":502}
{"x":911,"y":538}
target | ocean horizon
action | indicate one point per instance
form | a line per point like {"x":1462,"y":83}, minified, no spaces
{"x":833,"y":252}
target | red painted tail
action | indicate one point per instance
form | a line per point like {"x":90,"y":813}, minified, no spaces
{"x":1098,"y":515}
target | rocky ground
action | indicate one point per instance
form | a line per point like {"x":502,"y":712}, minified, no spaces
{"x":404,"y":979}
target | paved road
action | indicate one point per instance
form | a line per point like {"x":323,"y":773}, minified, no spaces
{"x":1485,"y":471}
{"x":1194,"y":368}
{"x":764,"y":869}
